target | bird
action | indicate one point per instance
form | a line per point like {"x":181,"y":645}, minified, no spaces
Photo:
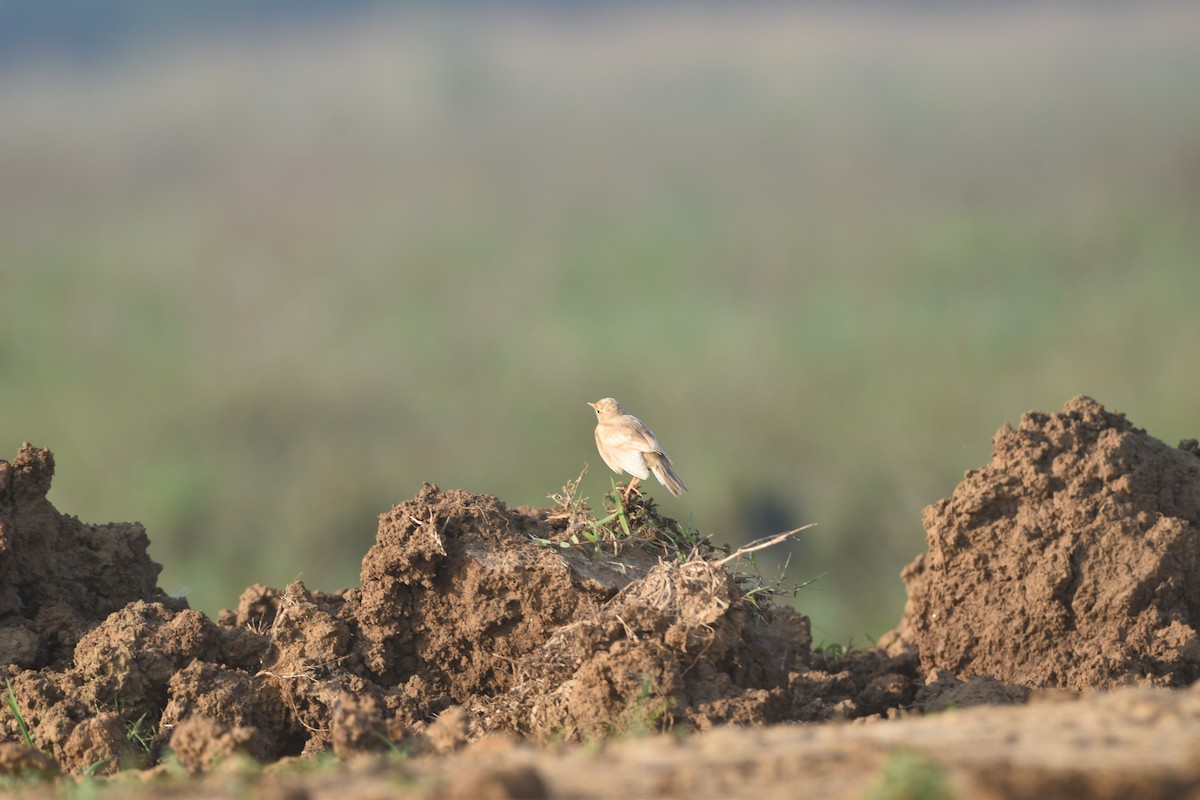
{"x":627,"y":445}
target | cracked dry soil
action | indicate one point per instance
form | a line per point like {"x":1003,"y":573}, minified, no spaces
{"x":1047,"y":649}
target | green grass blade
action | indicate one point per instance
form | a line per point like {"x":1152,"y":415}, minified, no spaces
{"x":10,"y":699}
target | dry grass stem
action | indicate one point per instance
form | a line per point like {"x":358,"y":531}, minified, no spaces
{"x":763,"y":544}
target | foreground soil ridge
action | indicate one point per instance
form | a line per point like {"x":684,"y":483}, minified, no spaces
{"x":1069,"y":562}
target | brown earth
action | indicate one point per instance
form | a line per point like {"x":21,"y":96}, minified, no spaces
{"x":1071,"y":560}
{"x":485,"y":640}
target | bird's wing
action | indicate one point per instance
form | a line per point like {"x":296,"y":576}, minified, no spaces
{"x":643,"y":438}
{"x":632,"y":461}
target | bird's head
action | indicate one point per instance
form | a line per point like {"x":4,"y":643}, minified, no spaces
{"x":607,"y":407}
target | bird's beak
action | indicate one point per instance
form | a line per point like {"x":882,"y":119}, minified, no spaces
{"x":593,"y":405}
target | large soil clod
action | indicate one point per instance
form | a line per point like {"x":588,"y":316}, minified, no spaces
{"x":1071,"y":560}
{"x":58,"y":576}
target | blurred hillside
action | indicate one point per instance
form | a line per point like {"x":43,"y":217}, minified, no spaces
{"x":258,"y":283}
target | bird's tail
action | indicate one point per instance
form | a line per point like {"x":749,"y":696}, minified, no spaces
{"x":660,"y":465}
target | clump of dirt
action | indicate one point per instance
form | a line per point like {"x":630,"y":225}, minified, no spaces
{"x":455,"y":590}
{"x":17,"y":760}
{"x":676,"y":645}
{"x":59,"y":577}
{"x":1071,"y":560}
{"x":472,"y":619}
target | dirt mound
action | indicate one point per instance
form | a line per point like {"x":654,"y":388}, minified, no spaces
{"x":1071,"y":560}
{"x":473,"y":618}
{"x":59,"y":577}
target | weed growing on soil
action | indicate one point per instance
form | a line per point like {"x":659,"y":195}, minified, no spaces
{"x":646,"y":714}
{"x":571,"y":506}
{"x":625,"y":522}
{"x":10,"y":699}
{"x":831,"y":654}
{"x":911,"y":776}
{"x":753,"y":584}
{"x":773,"y":587}
{"x":394,"y":750}
{"x":140,"y":737}
{"x":636,"y":521}
{"x":584,"y":528}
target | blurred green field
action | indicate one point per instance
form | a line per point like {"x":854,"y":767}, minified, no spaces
{"x":255,"y":289}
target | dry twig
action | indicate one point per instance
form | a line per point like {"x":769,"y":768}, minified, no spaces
{"x":762,"y":544}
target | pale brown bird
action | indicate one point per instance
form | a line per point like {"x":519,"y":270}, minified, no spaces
{"x":627,"y":445}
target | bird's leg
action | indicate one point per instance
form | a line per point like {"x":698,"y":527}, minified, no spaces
{"x":631,"y":488}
